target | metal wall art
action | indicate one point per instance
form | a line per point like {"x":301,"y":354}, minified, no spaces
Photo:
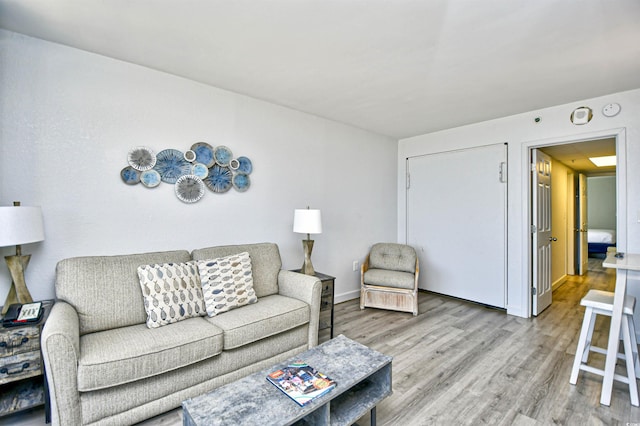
{"x":189,"y":171}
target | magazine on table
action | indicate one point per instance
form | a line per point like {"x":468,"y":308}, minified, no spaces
{"x":301,"y":382}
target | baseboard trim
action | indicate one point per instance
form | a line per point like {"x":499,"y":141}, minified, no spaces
{"x":343,"y":297}
{"x":557,"y":283}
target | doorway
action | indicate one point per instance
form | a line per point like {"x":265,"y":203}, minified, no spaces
{"x":570,"y":160}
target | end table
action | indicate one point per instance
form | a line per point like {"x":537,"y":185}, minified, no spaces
{"x":22,"y":382}
{"x":326,"y":306}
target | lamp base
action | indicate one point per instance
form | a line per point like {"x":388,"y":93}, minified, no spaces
{"x":18,"y":293}
{"x":307,"y":266}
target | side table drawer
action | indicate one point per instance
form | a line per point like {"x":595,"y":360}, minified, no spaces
{"x":326,"y":303}
{"x":324,"y":320}
{"x":21,"y":366}
{"x":327,"y":288}
{"x":16,"y":341}
{"x":326,"y":300}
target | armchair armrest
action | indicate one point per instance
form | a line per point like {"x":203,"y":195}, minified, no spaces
{"x":364,"y":268}
{"x":306,"y":288}
{"x":60,"y":343}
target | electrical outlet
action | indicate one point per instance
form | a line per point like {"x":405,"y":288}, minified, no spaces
{"x":355,"y":265}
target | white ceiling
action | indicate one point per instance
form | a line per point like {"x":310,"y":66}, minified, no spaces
{"x":576,"y":155}
{"x":395,"y":67}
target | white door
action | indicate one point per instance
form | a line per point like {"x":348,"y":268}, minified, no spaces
{"x":456,"y":221}
{"x":541,"y":230}
{"x":582,"y":226}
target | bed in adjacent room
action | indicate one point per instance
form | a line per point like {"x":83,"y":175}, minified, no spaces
{"x":600,"y":240}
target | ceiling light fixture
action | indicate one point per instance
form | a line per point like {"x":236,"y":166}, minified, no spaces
{"x":609,"y":160}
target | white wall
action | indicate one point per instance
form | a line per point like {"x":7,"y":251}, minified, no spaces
{"x":521,"y":132}
{"x":68,"y":119}
{"x":601,"y":196}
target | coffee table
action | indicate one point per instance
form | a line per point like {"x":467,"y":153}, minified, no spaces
{"x":363,"y":378}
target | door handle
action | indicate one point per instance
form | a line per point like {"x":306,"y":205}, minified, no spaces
{"x":553,"y":239}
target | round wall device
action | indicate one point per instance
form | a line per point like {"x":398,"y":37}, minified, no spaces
{"x":581,"y":115}
{"x":610,"y":110}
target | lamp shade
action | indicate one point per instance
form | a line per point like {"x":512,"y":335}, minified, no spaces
{"x":307,"y":221}
{"x":20,"y":225}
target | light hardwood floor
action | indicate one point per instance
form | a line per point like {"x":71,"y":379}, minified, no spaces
{"x":459,"y":363}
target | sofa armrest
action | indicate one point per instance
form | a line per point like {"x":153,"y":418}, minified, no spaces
{"x":307,"y":288}
{"x":60,"y":343}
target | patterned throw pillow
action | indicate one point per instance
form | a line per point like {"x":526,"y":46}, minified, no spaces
{"x":227,"y":283}
{"x":172,"y":292}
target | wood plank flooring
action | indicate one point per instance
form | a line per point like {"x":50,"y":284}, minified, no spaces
{"x":459,"y":363}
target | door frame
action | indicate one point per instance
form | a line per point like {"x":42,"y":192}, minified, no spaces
{"x":621,"y":188}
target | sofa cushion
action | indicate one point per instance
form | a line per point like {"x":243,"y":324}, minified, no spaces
{"x":227,"y":282}
{"x":394,"y":279}
{"x":171,"y":292}
{"x":274,"y":314}
{"x":105,"y":290}
{"x":123,"y":355}
{"x":117,"y":405}
{"x":265,"y":263}
{"x":392,"y":256}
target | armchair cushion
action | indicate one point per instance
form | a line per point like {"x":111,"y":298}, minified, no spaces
{"x":394,"y":279}
{"x":392,"y":256}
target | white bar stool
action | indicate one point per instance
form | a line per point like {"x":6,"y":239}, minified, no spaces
{"x":601,"y":302}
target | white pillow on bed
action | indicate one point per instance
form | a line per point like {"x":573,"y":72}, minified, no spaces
{"x":607,"y":236}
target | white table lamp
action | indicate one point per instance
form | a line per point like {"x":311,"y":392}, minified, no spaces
{"x":19,"y":225}
{"x":307,"y":221}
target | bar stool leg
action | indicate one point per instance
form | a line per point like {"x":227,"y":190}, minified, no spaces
{"x":630,"y":360}
{"x":582,"y":343}
{"x":589,"y":340}
{"x":634,"y":346}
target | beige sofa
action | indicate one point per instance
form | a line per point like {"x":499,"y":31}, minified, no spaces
{"x":104,"y":366}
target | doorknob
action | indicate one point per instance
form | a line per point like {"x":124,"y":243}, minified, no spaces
{"x":553,"y":239}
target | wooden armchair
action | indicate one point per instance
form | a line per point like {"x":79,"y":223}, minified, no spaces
{"x":389,"y":278}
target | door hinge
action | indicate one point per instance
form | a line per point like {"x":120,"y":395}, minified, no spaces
{"x":534,"y":291}
{"x":408,"y":180}
{"x":533,"y":229}
{"x":533,"y":167}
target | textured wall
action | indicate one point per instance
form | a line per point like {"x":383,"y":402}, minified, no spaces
{"x":68,"y":119}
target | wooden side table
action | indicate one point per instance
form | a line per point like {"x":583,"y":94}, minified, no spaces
{"x":326,"y":306}
{"x":22,"y":383}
